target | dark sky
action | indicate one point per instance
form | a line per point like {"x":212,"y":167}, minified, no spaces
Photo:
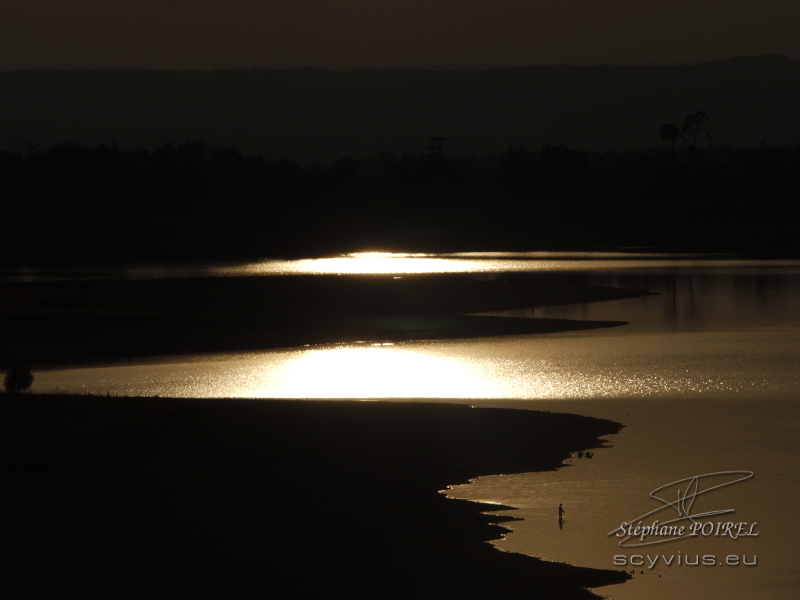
{"x":212,"y":34}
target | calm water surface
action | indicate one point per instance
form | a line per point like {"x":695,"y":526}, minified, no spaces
{"x":665,"y":441}
{"x":704,"y":378}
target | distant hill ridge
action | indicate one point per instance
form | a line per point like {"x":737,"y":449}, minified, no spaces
{"x":317,"y":114}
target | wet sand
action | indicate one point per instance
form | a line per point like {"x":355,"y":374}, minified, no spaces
{"x":147,"y":497}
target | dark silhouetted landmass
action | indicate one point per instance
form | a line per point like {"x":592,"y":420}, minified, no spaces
{"x":67,"y":322}
{"x":162,"y":498}
{"x":71,"y":203}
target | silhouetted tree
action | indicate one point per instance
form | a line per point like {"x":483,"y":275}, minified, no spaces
{"x":18,"y":379}
{"x":671,"y":134}
{"x":436,"y":145}
{"x":514,"y":160}
{"x":694,"y":126}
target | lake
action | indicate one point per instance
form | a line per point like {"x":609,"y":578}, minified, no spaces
{"x":704,"y":377}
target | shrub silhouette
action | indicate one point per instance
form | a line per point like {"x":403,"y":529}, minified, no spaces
{"x":18,"y":379}
{"x":695,"y":126}
{"x":671,"y":134}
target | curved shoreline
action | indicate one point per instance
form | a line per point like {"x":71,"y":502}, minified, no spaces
{"x":295,"y":497}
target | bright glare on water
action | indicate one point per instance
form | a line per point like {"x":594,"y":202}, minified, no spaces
{"x":708,"y":331}
{"x":569,"y":365}
{"x":393,"y":263}
{"x":388,"y":263}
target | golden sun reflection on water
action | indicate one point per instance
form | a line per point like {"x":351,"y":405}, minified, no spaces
{"x":557,"y":366}
{"x":370,"y":263}
{"x":396,"y":263}
{"x":371,"y":372}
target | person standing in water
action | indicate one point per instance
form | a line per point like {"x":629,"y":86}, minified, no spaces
{"x":560,"y":515}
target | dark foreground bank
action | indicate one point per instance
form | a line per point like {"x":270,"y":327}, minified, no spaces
{"x":164,"y":498}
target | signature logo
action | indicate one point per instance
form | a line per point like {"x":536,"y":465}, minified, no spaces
{"x":684,"y":492}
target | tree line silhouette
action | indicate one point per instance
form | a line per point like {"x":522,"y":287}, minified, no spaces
{"x":695,"y":126}
{"x":70,"y":181}
{"x":432,"y":197}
